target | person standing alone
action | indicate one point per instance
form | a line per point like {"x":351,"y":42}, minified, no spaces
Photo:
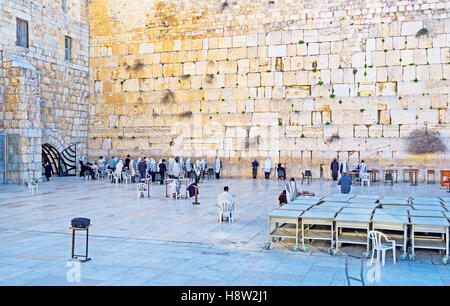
{"x":255,"y":166}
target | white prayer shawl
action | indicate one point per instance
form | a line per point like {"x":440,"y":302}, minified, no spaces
{"x":217,"y":166}
{"x":203,"y":163}
{"x":176,"y":169}
{"x":294,"y":190}
{"x":288,"y":196}
{"x":362,"y":169}
{"x":159,"y":162}
{"x":119,"y":167}
{"x":344,"y":166}
{"x":181,"y":162}
{"x":188,"y":165}
{"x":132,"y":169}
{"x":170,"y":168}
{"x":268,"y":165}
{"x":197,"y":168}
{"x":152,"y":165}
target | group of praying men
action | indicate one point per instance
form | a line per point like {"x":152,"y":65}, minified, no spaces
{"x":148,"y":167}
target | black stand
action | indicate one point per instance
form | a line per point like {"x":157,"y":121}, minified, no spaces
{"x":74,"y":256}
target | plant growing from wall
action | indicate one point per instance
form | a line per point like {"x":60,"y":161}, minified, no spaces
{"x":209,"y":78}
{"x":185,"y":115}
{"x":423,"y":141}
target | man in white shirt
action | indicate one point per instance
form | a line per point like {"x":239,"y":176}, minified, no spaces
{"x":226,"y":196}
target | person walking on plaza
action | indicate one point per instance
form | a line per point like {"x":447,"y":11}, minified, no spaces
{"x":344,"y":167}
{"x":218,"y":167}
{"x":267,"y":167}
{"x":345,"y":182}
{"x":255,"y":166}
{"x":48,"y":169}
{"x":281,"y":172}
{"x":334,"y":169}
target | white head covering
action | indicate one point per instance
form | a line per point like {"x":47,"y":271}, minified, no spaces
{"x":133,"y":172}
{"x":217,"y":165}
{"x":152,"y":165}
{"x":268,"y":164}
{"x":181,"y":163}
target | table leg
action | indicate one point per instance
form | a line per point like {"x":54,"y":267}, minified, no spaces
{"x":166,"y":191}
{"x":404,"y":239}
{"x":412,"y":240}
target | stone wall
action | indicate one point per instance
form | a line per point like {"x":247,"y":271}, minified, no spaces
{"x":300,"y":81}
{"x":45,"y":98}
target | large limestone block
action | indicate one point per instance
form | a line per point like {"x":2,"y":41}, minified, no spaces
{"x":277,"y":51}
{"x":411,"y":27}
{"x":265,"y":119}
{"x":391,"y":131}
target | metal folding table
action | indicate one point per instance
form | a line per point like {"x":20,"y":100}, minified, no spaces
{"x":430,"y":225}
{"x":392,"y":222}
{"x":426,"y":213}
{"x":284,"y":216}
{"x":316,"y":216}
{"x":340,"y":197}
{"x":353,"y":221}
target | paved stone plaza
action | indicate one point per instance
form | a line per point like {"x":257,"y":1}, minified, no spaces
{"x":160,"y":241}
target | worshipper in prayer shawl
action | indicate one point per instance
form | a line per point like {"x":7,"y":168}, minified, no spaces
{"x":188,"y":166}
{"x":174,"y":188}
{"x":119,"y":168}
{"x":344,"y":167}
{"x":162,"y":170}
{"x":217,"y":167}
{"x":133,"y":170}
{"x":334,"y":169}
{"x":204,"y":165}
{"x":152,"y":168}
{"x":294,"y":189}
{"x":169,"y":169}
{"x":362,"y":168}
{"x":181,"y":163}
{"x":176,"y":171}
{"x":197,"y":170}
{"x":267,"y":167}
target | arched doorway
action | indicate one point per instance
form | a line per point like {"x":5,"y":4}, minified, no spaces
{"x":64,"y":163}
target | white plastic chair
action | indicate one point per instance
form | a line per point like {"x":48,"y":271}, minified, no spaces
{"x":32,"y":185}
{"x":378,"y":246}
{"x":365,"y":178}
{"x":226,"y":210}
{"x":141,"y":190}
{"x":110,"y":174}
{"x":116,"y":177}
{"x":126,"y":177}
